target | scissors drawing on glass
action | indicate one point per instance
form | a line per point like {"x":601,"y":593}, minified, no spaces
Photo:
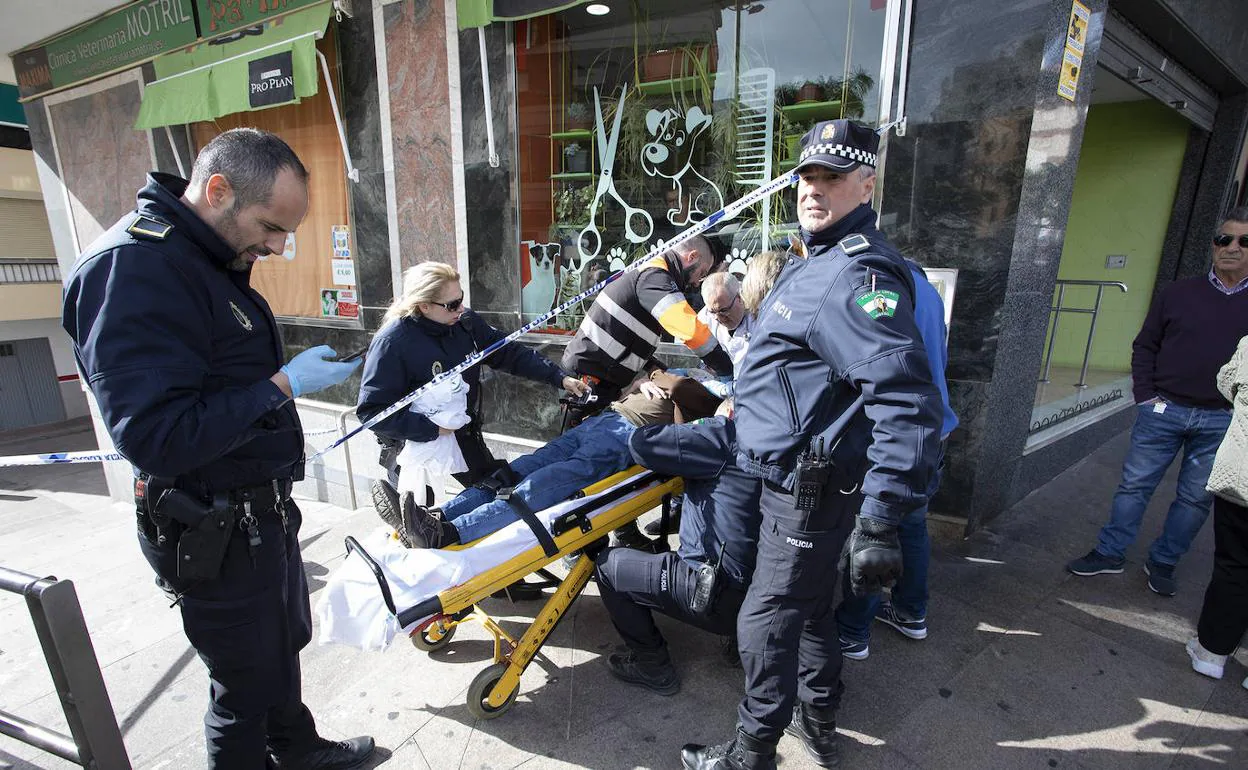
{"x":590,"y":241}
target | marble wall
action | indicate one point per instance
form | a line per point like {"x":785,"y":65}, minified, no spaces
{"x":103,"y":160}
{"x":416,"y":47}
{"x":982,"y":182}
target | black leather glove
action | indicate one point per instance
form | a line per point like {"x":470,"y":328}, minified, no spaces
{"x":873,"y":556}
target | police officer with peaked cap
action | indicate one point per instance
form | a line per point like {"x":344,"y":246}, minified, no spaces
{"x":837,"y":414}
{"x":185,"y":360}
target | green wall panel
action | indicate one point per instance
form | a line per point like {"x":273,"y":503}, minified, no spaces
{"x":1124,"y":190}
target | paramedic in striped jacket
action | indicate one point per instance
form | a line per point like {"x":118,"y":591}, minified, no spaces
{"x":621,"y":331}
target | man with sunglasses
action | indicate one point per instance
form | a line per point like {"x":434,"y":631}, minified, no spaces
{"x":1191,"y":330}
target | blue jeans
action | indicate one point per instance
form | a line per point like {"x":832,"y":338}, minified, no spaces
{"x":909,"y":595}
{"x":589,"y":452}
{"x":1155,"y":441}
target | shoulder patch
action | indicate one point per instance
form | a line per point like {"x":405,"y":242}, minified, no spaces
{"x":854,"y":244}
{"x":149,"y":228}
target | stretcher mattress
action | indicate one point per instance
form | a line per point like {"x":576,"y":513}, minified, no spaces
{"x":352,"y":610}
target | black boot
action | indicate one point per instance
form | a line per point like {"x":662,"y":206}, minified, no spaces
{"x":330,"y":755}
{"x":386,"y":501}
{"x":744,"y":752}
{"x":423,"y":528}
{"x":629,"y":536}
{"x":652,"y":670}
{"x":817,"y":733}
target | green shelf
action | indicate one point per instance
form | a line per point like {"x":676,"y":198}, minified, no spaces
{"x":674,"y":85}
{"x":574,"y":135}
{"x":574,"y":177}
{"x":816,"y":110}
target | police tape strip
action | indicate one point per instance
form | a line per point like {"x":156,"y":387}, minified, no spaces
{"x":81,"y":458}
{"x":61,"y":458}
{"x":727,"y":212}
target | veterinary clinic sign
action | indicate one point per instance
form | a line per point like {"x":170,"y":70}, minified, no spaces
{"x":128,"y":36}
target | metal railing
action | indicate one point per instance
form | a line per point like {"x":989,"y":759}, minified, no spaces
{"x":94,"y":740}
{"x":29,"y":271}
{"x":1057,"y":310}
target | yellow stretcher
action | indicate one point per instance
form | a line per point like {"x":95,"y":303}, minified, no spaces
{"x":493,"y":691}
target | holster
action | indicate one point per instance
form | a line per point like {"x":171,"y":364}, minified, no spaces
{"x":205,"y":534}
{"x":706,"y":587}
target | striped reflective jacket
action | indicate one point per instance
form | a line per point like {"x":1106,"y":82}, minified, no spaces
{"x":622,"y":328}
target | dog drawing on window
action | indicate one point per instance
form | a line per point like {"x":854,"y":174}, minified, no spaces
{"x":669,"y":154}
{"x":538,"y":295}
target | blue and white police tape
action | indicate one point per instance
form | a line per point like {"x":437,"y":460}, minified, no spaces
{"x":61,"y":458}
{"x":727,"y":212}
{"x":80,"y":458}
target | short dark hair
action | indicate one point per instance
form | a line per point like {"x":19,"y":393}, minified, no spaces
{"x":250,"y":159}
{"x":1237,"y":214}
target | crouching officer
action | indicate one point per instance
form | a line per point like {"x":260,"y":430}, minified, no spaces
{"x":185,"y":360}
{"x":836,"y":413}
{"x":704,"y":582}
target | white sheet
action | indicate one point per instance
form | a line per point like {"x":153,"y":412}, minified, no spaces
{"x":351,"y":609}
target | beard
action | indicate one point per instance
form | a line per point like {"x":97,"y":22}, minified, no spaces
{"x":239,"y":264}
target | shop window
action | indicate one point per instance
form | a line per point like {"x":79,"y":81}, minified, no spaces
{"x":315,"y":277}
{"x":688,"y":106}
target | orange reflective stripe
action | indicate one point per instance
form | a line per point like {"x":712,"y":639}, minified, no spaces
{"x":683,"y":323}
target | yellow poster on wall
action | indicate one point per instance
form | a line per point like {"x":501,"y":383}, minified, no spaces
{"x":1072,"y":56}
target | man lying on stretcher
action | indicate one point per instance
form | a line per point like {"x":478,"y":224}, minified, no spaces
{"x":590,"y":452}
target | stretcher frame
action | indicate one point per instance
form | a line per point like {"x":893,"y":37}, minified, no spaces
{"x":493,"y":691}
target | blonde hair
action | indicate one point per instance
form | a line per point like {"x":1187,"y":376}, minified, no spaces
{"x":760,"y":276}
{"x":422,"y":283}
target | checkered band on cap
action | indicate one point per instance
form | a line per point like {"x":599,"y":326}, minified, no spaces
{"x":840,"y":151}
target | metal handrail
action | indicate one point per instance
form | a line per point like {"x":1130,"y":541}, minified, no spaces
{"x":1057,"y":310}
{"x":94,"y":740}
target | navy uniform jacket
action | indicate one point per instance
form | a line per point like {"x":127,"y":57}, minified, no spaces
{"x":721,"y":501}
{"x":178,"y":350}
{"x":404,"y":354}
{"x":829,"y":358}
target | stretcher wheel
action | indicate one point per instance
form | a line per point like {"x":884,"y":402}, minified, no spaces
{"x":480,"y":689}
{"x":434,"y":637}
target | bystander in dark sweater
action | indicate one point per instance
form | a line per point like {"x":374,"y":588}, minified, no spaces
{"x":1191,"y":330}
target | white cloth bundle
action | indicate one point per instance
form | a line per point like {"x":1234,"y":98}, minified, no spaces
{"x":351,"y":609}
{"x":421,"y":463}
{"x":1228,"y":478}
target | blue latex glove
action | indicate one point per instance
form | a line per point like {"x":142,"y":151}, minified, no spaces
{"x":309,"y":372}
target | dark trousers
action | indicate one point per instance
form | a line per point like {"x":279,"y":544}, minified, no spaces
{"x":786,"y":631}
{"x":1224,"y":616}
{"x":634,"y":584}
{"x":248,"y":626}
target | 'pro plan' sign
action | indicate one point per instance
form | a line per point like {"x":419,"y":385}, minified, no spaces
{"x":271,"y":80}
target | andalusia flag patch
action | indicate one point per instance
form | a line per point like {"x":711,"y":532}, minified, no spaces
{"x":878,"y":303}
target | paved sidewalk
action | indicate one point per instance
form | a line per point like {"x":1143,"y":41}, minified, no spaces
{"x":1026,"y":666}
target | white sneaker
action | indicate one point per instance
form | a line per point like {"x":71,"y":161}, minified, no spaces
{"x":1205,"y":662}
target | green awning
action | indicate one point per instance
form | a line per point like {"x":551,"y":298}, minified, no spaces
{"x":479,"y":13}
{"x":250,"y":69}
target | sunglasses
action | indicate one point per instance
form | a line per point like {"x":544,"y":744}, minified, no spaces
{"x":451,"y":306}
{"x":1225,"y":239}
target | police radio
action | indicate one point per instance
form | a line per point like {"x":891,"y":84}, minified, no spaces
{"x":814,"y":466}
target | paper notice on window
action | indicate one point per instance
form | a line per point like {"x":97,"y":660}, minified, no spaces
{"x":344,"y":272}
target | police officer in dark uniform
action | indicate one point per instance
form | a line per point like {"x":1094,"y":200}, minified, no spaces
{"x":185,"y":361}
{"x":838,"y":415}
{"x":704,"y":582}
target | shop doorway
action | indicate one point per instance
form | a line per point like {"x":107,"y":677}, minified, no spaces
{"x":1129,"y":167}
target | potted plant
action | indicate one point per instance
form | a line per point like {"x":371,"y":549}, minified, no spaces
{"x":577,"y":116}
{"x":679,"y":62}
{"x":572,"y":206}
{"x":811,"y":91}
{"x":575,"y":158}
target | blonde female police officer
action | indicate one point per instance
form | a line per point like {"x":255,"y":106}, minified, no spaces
{"x":835,"y":358}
